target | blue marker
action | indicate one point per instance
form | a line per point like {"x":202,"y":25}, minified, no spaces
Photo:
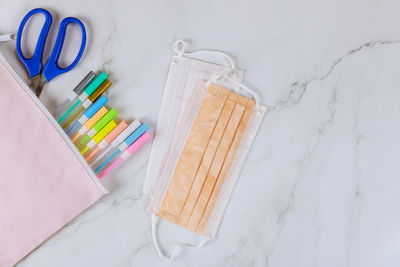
{"x":128,"y":141}
{"x":87,"y":115}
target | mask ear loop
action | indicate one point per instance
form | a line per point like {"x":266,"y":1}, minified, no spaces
{"x":256,"y":97}
{"x":177,"y":248}
{"x":179,"y":49}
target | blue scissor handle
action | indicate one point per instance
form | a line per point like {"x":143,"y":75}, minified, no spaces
{"x":51,"y":69}
{"x":34,"y":64}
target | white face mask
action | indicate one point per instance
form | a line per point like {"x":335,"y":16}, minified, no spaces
{"x":186,"y":86}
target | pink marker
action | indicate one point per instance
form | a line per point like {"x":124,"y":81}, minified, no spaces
{"x":128,"y":152}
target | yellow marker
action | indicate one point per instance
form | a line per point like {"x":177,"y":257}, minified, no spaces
{"x":106,"y":130}
{"x":97,"y":138}
{"x":90,"y":123}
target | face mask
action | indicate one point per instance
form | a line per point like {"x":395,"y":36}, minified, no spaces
{"x":210,"y":142}
{"x":184,"y":74}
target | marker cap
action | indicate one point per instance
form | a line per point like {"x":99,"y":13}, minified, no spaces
{"x":101,"y":89}
{"x":96,"y":83}
{"x":133,"y":137}
{"x":130,"y":129}
{"x":106,"y":119}
{"x":113,"y":134}
{"x":106,"y":130}
{"x":95,"y":107}
{"x":136,"y":145}
{"x":117,"y":130}
{"x":93,"y":120}
{"x":84,"y":83}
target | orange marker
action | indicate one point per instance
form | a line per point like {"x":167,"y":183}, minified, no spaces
{"x":90,"y":123}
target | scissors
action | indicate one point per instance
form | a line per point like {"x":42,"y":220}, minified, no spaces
{"x":38,"y":73}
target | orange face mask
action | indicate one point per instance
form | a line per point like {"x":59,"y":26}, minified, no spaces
{"x":206,"y":158}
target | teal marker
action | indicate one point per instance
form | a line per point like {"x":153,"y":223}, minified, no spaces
{"x":83,"y":96}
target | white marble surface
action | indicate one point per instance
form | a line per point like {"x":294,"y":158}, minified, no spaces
{"x":321,"y":185}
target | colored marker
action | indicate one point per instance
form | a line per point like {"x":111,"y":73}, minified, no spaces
{"x":83,"y":96}
{"x":109,"y":150}
{"x":89,"y":124}
{"x":128,"y":141}
{"x":107,"y":140}
{"x":74,"y":94}
{"x":128,"y":152}
{"x":76,"y":107}
{"x":87,"y":115}
{"x":88,"y":102}
{"x":98,"y":126}
{"x":97,"y":138}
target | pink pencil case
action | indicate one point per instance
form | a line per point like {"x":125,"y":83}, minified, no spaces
{"x":44,"y":181}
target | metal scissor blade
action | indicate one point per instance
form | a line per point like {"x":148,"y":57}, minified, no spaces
{"x":38,"y":83}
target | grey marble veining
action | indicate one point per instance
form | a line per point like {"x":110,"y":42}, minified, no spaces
{"x":321,"y":184}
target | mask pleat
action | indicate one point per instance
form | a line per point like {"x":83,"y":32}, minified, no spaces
{"x":204,"y":163}
{"x":226,"y":166}
{"x":219,"y":157}
{"x":207,"y":160}
{"x":191,"y":156}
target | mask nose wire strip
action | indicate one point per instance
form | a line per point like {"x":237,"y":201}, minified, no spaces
{"x":177,"y":248}
{"x":256,"y":97}
{"x":179,"y":49}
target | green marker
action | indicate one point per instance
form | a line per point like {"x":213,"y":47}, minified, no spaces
{"x":99,"y":125}
{"x":82,"y":97}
